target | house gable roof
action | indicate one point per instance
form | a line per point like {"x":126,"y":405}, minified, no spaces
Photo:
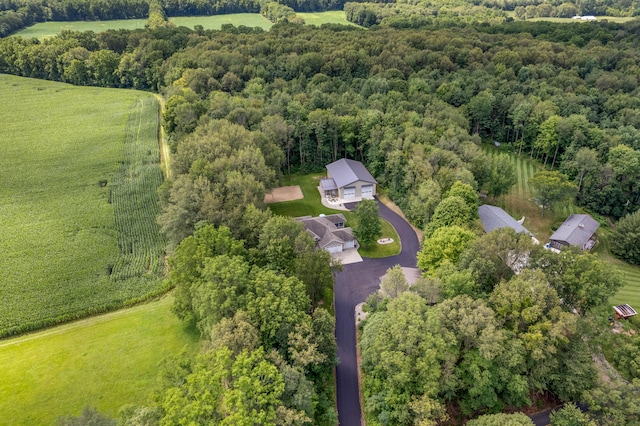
{"x":345,"y":172}
{"x":324,"y":231}
{"x":493,"y":217}
{"x":577,"y":230}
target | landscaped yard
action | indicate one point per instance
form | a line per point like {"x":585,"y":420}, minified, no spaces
{"x":105,"y":362}
{"x":311,"y":205}
{"x":384,"y":250}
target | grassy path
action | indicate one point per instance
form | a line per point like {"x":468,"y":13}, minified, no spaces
{"x":165,"y":153}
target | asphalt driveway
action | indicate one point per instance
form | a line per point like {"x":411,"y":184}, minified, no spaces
{"x":353,"y":285}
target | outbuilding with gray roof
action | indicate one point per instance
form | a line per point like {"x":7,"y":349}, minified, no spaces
{"x":578,"y":230}
{"x":493,"y":217}
{"x":348,"y":180}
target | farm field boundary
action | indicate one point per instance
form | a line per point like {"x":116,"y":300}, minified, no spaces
{"x":78,"y":202}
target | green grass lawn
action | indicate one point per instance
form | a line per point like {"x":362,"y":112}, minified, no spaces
{"x":105,"y":361}
{"x":383,"y":250}
{"x":49,"y":29}
{"x":329,"y":17}
{"x":311,"y":205}
{"x":78,"y":201}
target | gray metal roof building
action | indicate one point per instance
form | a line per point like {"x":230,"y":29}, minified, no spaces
{"x":493,"y":217}
{"x":345,"y":172}
{"x":577,"y":230}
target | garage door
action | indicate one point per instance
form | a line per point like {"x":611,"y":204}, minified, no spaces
{"x":334,"y":248}
{"x":350,"y":192}
{"x":367,"y":191}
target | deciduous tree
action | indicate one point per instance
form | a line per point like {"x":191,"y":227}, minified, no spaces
{"x":551,"y":188}
{"x":626,"y":238}
{"x":367,"y":227}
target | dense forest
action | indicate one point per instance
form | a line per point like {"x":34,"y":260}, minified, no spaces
{"x":412,"y":104}
{"x":244,"y":106}
{"x":17,"y":14}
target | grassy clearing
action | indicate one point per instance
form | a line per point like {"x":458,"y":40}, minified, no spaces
{"x":619,"y":19}
{"x":630,"y":293}
{"x":329,"y":17}
{"x":216,"y":22}
{"x":78,"y":201}
{"x":49,"y":29}
{"x":105,"y":361}
{"x":383,"y":250}
{"x":43,"y":30}
{"x":518,"y":203}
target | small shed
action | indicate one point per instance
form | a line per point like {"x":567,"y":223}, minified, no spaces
{"x":624,"y":311}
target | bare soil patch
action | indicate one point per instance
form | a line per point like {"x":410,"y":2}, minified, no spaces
{"x":284,"y":193}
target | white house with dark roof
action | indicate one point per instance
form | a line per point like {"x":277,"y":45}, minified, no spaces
{"x":348,"y":180}
{"x":578,"y":230}
{"x":329,"y":232}
{"x":493,"y":217}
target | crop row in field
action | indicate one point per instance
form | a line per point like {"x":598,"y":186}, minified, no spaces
{"x":134,"y":197}
{"x":64,"y":241}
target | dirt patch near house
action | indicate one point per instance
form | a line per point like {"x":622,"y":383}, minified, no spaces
{"x":284,"y":193}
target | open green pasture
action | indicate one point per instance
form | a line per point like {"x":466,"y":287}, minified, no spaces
{"x":519,"y":203}
{"x":311,"y":205}
{"x":328,"y":17}
{"x":78,"y":201}
{"x":49,"y":29}
{"x":571,"y":20}
{"x":104,"y":361}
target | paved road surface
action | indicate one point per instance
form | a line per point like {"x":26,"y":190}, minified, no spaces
{"x":353,"y":285}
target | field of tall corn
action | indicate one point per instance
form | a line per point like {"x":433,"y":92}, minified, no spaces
{"x":79,"y":173}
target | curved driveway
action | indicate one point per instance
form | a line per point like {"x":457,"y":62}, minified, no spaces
{"x":353,"y":285}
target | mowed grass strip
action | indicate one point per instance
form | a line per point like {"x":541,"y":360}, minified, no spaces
{"x":105,"y":362}
{"x":518,"y":203}
{"x":63,"y":155}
